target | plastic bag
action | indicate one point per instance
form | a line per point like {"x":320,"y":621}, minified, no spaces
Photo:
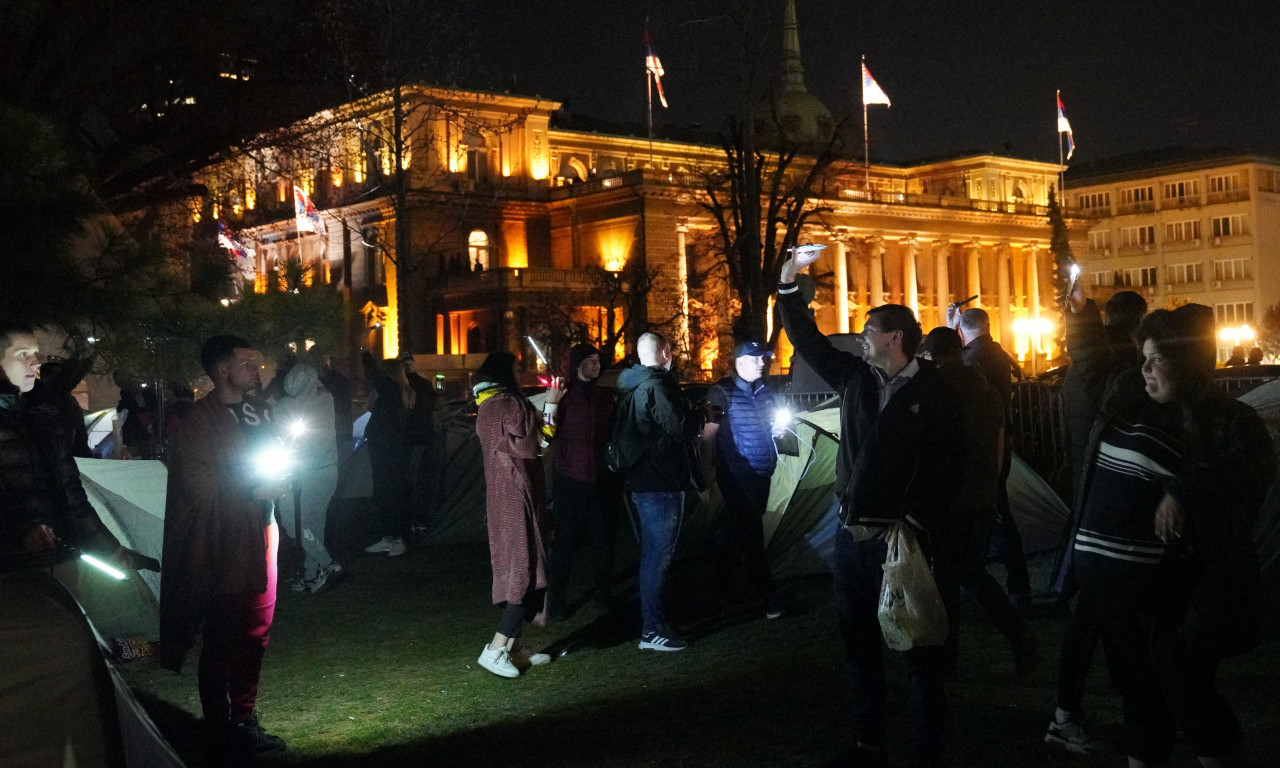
{"x":911,"y":610}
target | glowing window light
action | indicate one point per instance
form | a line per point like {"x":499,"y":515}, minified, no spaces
{"x":250,"y":197}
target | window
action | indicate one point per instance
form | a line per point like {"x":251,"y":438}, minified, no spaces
{"x":1093,"y":200}
{"x":478,"y":250}
{"x":1131,"y":237}
{"x":1100,"y":240}
{"x":1178,"y":231}
{"x":1142,"y":276}
{"x":1226,"y":226}
{"x":1181,"y":274}
{"x":1227,"y":182}
{"x":1231,"y":269}
{"x":1135,"y":195}
{"x":1237,"y":312}
{"x":1105,"y":278}
{"x":1179,"y":189}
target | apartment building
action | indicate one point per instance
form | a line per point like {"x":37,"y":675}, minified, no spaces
{"x":1185,"y":227}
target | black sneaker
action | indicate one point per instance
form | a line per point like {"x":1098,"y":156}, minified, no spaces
{"x":252,"y":735}
{"x":666,"y":640}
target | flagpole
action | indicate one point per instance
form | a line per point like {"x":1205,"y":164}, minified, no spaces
{"x":866,"y":141}
{"x":648,"y":87}
{"x":1059,"y":134}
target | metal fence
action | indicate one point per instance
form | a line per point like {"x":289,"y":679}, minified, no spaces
{"x":1039,"y":425}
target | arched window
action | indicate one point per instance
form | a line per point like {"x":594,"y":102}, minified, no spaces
{"x":478,"y":250}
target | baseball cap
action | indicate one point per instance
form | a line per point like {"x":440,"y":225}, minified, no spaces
{"x":750,"y":348}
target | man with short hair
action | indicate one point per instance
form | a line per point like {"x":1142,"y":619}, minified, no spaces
{"x":656,"y":485}
{"x":42,"y":501}
{"x":898,"y":424}
{"x":985,"y":353}
{"x":581,"y":421}
{"x":220,"y":545}
{"x":741,"y":440}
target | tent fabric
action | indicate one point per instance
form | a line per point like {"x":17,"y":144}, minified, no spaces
{"x":129,"y":498}
{"x":62,"y":702}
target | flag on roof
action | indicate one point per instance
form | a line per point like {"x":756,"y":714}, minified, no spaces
{"x":1064,"y":126}
{"x":872,"y":93}
{"x":653,"y":66}
{"x":306,"y":214}
{"x":227,"y":239}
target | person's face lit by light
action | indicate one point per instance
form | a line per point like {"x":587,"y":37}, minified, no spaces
{"x":21,"y":361}
{"x":1157,"y":372}
{"x":749,"y":367}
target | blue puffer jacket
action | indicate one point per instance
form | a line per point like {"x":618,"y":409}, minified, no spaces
{"x":744,"y":442}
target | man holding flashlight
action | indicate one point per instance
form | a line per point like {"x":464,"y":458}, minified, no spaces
{"x":741,"y":438}
{"x":42,"y":502}
{"x":220,"y":544}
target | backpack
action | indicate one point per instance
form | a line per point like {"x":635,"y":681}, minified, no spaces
{"x":626,"y":446}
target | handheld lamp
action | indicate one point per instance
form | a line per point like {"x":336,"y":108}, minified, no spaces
{"x":110,"y":570}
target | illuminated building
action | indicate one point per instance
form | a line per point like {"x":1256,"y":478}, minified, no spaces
{"x":521,"y":222}
{"x":1183,"y":227}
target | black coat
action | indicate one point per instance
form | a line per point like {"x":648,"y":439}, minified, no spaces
{"x":899,"y":463}
{"x":39,"y":480}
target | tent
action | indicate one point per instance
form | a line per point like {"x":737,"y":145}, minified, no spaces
{"x":62,"y":702}
{"x":129,"y":498}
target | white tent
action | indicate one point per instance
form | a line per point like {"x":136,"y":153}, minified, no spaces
{"x":62,"y":703}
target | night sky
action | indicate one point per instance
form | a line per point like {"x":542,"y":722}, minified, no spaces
{"x":963,"y":76}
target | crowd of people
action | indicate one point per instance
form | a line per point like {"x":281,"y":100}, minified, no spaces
{"x":1167,"y":477}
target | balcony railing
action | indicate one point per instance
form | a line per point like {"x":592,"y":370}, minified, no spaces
{"x":519,"y":279}
{"x":1229,"y":195}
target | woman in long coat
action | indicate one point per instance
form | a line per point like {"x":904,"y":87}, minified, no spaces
{"x":510,"y":433}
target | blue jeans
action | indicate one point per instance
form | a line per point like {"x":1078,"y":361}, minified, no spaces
{"x":857,"y":577}
{"x":659,"y":514}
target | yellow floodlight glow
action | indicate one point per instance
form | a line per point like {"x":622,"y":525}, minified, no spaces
{"x":1236,"y":335}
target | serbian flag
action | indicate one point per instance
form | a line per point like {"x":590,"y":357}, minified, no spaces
{"x":872,"y":93}
{"x":1065,"y":127}
{"x":305,"y":213}
{"x":653,"y":66}
{"x":227,"y":239}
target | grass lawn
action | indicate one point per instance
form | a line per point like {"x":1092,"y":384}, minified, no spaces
{"x":382,"y":671}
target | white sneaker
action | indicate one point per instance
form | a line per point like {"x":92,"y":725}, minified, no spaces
{"x":381,"y":545}
{"x":498,"y":661}
{"x":396,"y":548}
{"x":1072,"y":737}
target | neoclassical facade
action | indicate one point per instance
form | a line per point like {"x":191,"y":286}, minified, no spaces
{"x":510,"y":218}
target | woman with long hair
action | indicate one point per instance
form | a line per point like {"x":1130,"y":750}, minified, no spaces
{"x":1175,"y":477}
{"x":511,"y":432}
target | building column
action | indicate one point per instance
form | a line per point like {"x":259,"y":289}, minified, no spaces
{"x":682,"y":280}
{"x":941,"y":280}
{"x":1033,"y":282}
{"x":910,"y":289}
{"x":875,"y":271}
{"x":842,"y":287}
{"x":973,"y":274}
{"x":1003,"y":294}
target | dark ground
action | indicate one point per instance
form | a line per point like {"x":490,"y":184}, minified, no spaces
{"x":381,"y":672}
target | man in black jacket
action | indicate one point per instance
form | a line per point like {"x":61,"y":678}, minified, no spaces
{"x":656,"y":484}
{"x":42,"y":502}
{"x":898,"y":428}
{"x":985,"y":353}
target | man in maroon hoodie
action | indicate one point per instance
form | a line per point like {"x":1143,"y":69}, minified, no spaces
{"x":581,"y":430}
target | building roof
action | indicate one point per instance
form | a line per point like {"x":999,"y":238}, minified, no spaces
{"x":1154,"y":162}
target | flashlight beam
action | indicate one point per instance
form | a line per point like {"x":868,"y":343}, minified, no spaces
{"x":537,"y":351}
{"x":110,"y":570}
